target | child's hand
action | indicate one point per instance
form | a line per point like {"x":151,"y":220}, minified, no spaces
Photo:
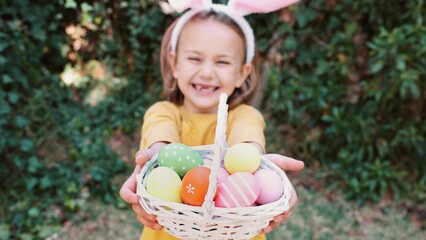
{"x":128,"y":193}
{"x":128,"y":190}
{"x":288,"y":164}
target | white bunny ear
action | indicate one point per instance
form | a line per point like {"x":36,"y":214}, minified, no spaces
{"x":182,"y":5}
{"x":245,"y":7}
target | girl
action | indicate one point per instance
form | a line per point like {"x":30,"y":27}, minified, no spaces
{"x":206,"y":52}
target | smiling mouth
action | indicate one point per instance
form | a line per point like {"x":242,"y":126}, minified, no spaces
{"x":203,"y":88}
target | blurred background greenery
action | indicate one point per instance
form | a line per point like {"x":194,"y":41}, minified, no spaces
{"x":345,"y":91}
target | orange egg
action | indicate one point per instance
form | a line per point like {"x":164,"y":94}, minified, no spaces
{"x":195,"y":184}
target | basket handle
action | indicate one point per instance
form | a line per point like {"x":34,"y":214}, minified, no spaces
{"x":218,"y":153}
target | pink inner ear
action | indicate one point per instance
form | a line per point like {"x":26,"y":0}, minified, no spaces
{"x":261,"y":6}
{"x":182,"y":5}
{"x":199,"y":3}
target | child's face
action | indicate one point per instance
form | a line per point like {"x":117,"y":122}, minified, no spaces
{"x":209,"y":61}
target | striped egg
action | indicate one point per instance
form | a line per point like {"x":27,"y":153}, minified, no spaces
{"x":237,"y":190}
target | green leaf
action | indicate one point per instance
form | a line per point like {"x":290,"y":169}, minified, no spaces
{"x":96,"y":173}
{"x":322,"y":67}
{"x":71,"y":204}
{"x":26,"y":144}
{"x":7,"y":79}
{"x":46,"y":182}
{"x":70,"y":4}
{"x":13,"y":97}
{"x":305,"y":15}
{"x":21,"y":121}
{"x":34,"y":212}
{"x":3,"y":60}
{"x":3,"y":45}
{"x":48,"y":230}
{"x":377,"y":66}
{"x":290,"y":43}
{"x":25,"y":236}
{"x":5,"y":108}
{"x":400,"y":64}
{"x":34,"y":164}
{"x":39,"y":33}
{"x":4,"y":231}
{"x":85,"y":7}
{"x":31,"y":183}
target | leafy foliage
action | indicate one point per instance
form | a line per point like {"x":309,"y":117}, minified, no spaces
{"x":54,"y":154}
{"x":343,"y":87}
{"x":352,"y":72}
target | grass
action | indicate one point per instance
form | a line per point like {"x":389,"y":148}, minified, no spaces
{"x":316,"y":217}
{"x":105,"y":222}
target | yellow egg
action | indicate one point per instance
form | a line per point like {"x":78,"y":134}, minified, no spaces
{"x":164,"y":183}
{"x":242,"y":157}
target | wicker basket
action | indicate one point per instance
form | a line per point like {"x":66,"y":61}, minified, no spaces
{"x":207,"y":221}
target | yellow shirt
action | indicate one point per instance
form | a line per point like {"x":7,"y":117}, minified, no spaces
{"x":166,"y":121}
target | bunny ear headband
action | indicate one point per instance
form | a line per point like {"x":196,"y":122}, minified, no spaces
{"x":236,"y":10}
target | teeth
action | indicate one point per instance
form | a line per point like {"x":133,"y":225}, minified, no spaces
{"x":204,"y":89}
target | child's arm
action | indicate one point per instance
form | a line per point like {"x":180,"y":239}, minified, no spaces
{"x":258,"y":146}
{"x":128,"y":190}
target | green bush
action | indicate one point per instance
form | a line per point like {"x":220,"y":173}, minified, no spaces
{"x":350,"y":83}
{"x":39,"y":113}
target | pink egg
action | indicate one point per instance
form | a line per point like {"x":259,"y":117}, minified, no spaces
{"x":270,"y":184}
{"x":221,"y":174}
{"x":207,"y":162}
{"x":237,"y":190}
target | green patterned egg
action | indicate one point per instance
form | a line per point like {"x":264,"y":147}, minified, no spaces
{"x":179,"y":157}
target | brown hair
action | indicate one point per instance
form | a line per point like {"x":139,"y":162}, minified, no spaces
{"x":244,"y":94}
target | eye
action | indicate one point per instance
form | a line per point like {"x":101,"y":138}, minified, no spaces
{"x":222,"y":62}
{"x":194,"y":59}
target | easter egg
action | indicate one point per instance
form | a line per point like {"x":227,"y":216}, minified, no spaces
{"x":242,"y":157}
{"x":207,"y":162}
{"x":179,"y":157}
{"x":164,"y":183}
{"x":195,"y":184}
{"x":270,"y":184}
{"x":222,"y":173}
{"x":238,"y":190}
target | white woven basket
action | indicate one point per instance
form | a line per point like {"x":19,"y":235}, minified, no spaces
{"x":207,"y":221}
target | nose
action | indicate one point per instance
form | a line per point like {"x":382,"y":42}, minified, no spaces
{"x":207,"y":70}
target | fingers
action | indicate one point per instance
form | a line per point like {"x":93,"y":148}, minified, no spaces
{"x":293,"y":198}
{"x":278,"y":220}
{"x":146,"y":219}
{"x":272,"y":226}
{"x":285,"y":215}
{"x":151,"y":224}
{"x":142,"y":156}
{"x":285,"y":163}
{"x":137,"y":169}
{"x":128,"y":189}
{"x":128,"y":193}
